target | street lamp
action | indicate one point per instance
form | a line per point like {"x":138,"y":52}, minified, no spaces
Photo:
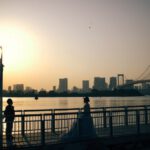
{"x":1,"y":98}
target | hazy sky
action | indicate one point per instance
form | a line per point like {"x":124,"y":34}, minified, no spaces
{"x":44,"y":40}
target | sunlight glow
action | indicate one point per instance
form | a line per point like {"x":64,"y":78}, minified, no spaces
{"x":17,"y":46}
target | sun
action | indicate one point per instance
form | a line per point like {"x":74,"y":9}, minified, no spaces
{"x":17,"y":46}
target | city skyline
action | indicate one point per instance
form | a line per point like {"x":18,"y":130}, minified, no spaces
{"x":46,"y":40}
{"x":99,"y":83}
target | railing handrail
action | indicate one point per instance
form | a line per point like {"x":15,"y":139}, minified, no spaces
{"x":77,"y":109}
{"x":129,"y":106}
{"x":71,"y":113}
{"x":67,"y":109}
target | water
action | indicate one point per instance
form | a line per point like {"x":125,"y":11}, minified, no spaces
{"x":24,"y":103}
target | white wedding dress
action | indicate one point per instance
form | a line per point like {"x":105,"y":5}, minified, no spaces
{"x":83,"y":127}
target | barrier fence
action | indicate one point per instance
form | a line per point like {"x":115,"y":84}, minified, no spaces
{"x":40,"y":127}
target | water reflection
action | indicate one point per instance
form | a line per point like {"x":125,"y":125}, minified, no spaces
{"x":63,"y":103}
{"x":75,"y":102}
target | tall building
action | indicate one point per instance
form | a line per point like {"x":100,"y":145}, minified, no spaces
{"x":85,"y":86}
{"x":63,"y":85}
{"x":99,"y":83}
{"x":130,"y":86}
{"x":112,"y":83}
{"x":18,"y":87}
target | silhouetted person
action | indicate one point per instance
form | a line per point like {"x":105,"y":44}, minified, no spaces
{"x":83,"y":127}
{"x":9,"y":114}
{"x":87,"y":126}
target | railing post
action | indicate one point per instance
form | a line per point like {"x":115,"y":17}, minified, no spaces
{"x":111,"y":124}
{"x":42,"y":131}
{"x":53,"y":122}
{"x":78,"y":123}
{"x":138,"y":121}
{"x":22,"y":125}
{"x":145,"y":114}
{"x":126,"y":115}
{"x":104,"y":118}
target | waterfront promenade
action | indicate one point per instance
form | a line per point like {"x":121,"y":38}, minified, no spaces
{"x":41,"y":128}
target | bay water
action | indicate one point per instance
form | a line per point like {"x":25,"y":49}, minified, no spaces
{"x":25,"y":103}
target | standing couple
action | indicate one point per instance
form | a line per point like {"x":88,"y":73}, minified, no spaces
{"x":83,"y":127}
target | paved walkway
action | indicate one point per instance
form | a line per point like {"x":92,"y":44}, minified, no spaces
{"x":34,"y":139}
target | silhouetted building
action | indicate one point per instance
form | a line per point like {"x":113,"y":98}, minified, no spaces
{"x":137,"y":87}
{"x":54,"y":88}
{"x":99,"y":83}
{"x":42,"y":90}
{"x":9,"y":89}
{"x":130,"y":86}
{"x":18,"y":87}
{"x":75,"y":89}
{"x":28,"y":89}
{"x":112,"y":83}
{"x":63,"y":85}
{"x":85,"y":86}
{"x":145,"y":85}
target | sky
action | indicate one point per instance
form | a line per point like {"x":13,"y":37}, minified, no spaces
{"x":44,"y":40}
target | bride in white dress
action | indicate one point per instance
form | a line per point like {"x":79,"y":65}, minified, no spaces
{"x":83,"y":127}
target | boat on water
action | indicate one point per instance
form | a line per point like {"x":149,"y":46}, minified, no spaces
{"x":36,"y":97}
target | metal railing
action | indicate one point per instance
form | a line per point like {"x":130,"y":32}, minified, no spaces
{"x":32,"y":128}
{"x":42,"y":111}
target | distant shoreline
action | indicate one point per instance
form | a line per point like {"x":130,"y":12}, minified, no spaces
{"x":115,"y":93}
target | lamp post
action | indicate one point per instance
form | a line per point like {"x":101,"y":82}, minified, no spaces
{"x":1,"y":99}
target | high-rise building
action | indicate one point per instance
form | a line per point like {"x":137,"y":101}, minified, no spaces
{"x":99,"y":83}
{"x":112,"y":83}
{"x":18,"y":87}
{"x":85,"y":86}
{"x":63,"y":85}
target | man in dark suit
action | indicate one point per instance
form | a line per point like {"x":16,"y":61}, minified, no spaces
{"x":9,"y":114}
